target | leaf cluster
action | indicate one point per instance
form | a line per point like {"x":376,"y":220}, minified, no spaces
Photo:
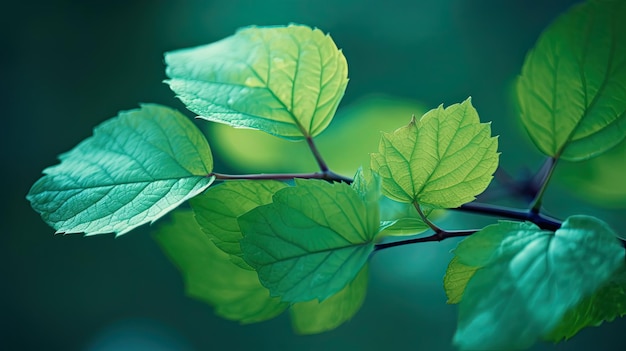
{"x":256,"y":245}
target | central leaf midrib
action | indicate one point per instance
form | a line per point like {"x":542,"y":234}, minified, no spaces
{"x":598,"y":93}
{"x":123,"y":183}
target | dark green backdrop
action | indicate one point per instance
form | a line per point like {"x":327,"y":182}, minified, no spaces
{"x":68,"y":65}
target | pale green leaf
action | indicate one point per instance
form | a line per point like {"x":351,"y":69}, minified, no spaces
{"x":286,"y":81}
{"x":572,"y":90}
{"x":606,"y":304}
{"x":527,"y":282}
{"x":311,"y":241}
{"x":367,"y":185}
{"x":210,"y":276}
{"x":401,"y":218}
{"x":443,"y":160}
{"x":135,"y":168}
{"x":218,"y":208}
{"x":456,"y":279}
{"x":314,"y":317}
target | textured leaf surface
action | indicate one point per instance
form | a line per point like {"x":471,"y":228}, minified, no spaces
{"x":311,"y":241}
{"x":529,"y":278}
{"x":286,"y":81}
{"x":210,"y":276}
{"x":572,"y":90}
{"x":316,"y":317}
{"x":134,"y":169}
{"x":443,"y":160}
{"x":218,"y":208}
{"x":606,"y":304}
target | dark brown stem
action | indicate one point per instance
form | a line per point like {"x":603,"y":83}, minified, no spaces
{"x":328,"y":175}
{"x":318,"y":157}
{"x":435,"y":237}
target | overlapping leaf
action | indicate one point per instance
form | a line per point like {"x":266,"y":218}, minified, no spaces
{"x":134,"y":169}
{"x":286,"y":81}
{"x":444,"y":159}
{"x":218,"y":208}
{"x":456,"y":278}
{"x":316,"y":317}
{"x":572,"y":90}
{"x":210,"y":275}
{"x":606,"y":304}
{"x":311,"y":241}
{"x":528,"y":278}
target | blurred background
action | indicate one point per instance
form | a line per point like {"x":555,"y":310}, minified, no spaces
{"x":69,"y":65}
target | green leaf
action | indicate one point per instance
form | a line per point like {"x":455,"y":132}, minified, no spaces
{"x":456,"y":279}
{"x":314,"y":317}
{"x":528,"y":278}
{"x":135,"y":168}
{"x":606,"y":304}
{"x":210,"y":276}
{"x":286,"y":81}
{"x":367,"y":185}
{"x":311,"y":241}
{"x":571,"y":90}
{"x":443,"y":160}
{"x":218,"y":208}
{"x":402,"y":219}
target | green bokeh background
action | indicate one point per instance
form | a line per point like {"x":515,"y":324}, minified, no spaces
{"x":69,"y":65}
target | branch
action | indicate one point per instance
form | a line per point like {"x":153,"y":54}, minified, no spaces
{"x":435,"y":237}
{"x":540,"y":219}
{"x":328,"y":176}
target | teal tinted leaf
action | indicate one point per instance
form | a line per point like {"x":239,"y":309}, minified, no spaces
{"x":310,"y":242}
{"x":135,"y":168}
{"x":456,"y":279}
{"x":443,"y":160}
{"x":286,"y":81}
{"x":314,"y":317}
{"x":606,"y":304}
{"x":210,"y":276}
{"x":529,"y":281}
{"x":218,"y":208}
{"x":572,"y":88}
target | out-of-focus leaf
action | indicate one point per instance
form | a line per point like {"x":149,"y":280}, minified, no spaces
{"x":606,"y":304}
{"x":346,"y":145}
{"x":210,"y":276}
{"x":599,"y":180}
{"x":316,"y":317}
